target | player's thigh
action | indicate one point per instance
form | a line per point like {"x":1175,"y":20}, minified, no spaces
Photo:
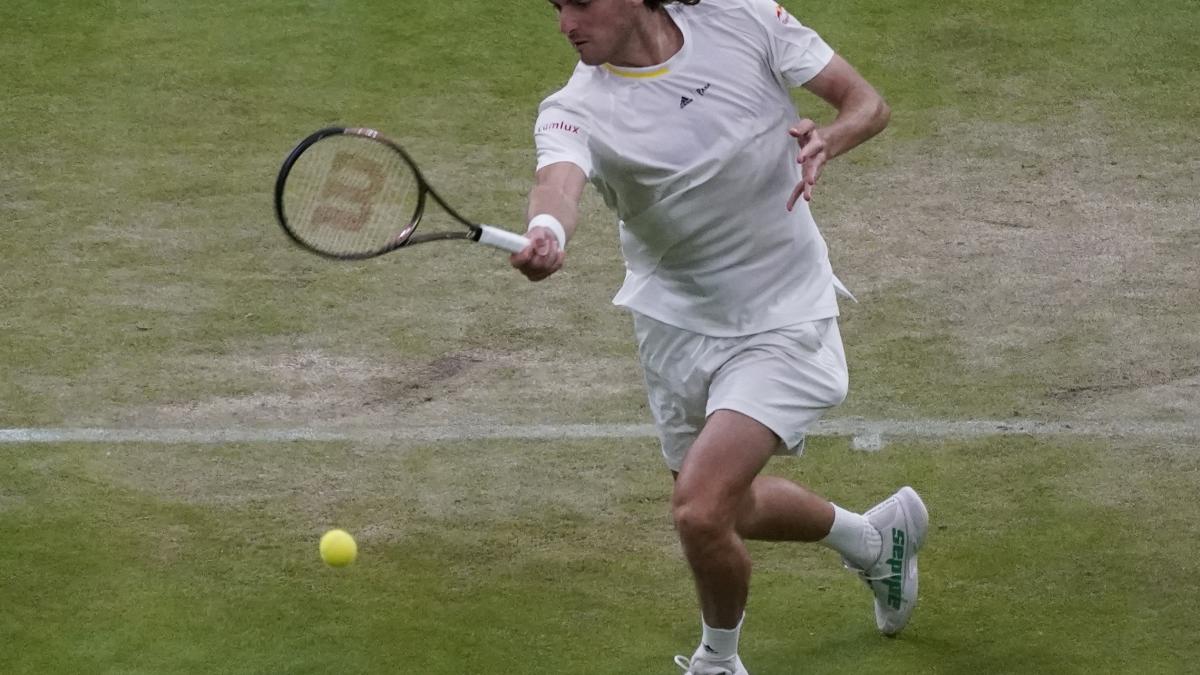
{"x":720,"y":465}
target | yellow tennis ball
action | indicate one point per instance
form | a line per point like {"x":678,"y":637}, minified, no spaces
{"x":338,"y":548}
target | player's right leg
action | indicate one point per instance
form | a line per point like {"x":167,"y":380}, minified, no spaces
{"x":780,"y":510}
{"x":880,"y":546}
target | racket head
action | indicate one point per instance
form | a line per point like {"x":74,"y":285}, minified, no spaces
{"x":349,"y":193}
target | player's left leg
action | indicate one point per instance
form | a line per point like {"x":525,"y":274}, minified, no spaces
{"x":711,"y":486}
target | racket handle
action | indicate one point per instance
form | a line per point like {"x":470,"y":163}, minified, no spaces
{"x":502,"y":239}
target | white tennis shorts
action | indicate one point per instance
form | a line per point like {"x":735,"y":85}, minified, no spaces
{"x":785,"y":379}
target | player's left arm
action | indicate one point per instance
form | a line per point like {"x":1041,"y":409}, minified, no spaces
{"x":861,"y":113}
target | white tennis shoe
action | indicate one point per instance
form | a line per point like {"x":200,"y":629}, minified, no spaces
{"x":700,"y":665}
{"x":902,"y":521}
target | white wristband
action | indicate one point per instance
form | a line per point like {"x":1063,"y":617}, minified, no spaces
{"x":550,"y":223}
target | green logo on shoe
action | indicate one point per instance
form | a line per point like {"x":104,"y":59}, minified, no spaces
{"x":895,"y":583}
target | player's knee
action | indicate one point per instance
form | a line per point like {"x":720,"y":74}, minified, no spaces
{"x":699,"y":519}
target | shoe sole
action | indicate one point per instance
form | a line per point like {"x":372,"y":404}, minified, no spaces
{"x":915,"y":509}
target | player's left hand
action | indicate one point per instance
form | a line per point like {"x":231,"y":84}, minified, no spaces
{"x":812,"y":158}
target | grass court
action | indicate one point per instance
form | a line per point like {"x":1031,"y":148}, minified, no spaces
{"x":1022,"y":240}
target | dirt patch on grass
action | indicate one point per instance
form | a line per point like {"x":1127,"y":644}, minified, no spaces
{"x":1170,"y":400}
{"x":315,"y":388}
{"x":1050,"y":253}
{"x":319,"y":388}
{"x":1050,"y":259}
{"x":9,"y":502}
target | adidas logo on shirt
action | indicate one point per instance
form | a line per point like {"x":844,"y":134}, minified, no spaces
{"x":684,"y":100}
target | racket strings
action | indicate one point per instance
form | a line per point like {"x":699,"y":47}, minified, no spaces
{"x":349,"y":195}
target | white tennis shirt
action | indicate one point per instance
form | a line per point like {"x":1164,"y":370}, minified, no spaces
{"x":694,"y":157}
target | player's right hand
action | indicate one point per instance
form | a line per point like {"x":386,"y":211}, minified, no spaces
{"x":541,"y":257}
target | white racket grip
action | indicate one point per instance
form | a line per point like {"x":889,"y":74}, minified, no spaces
{"x":502,"y":239}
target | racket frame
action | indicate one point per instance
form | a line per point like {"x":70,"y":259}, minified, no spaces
{"x":487,"y":234}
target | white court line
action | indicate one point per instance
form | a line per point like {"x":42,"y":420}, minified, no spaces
{"x":867,"y":434}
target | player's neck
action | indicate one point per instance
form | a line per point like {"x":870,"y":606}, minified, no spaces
{"x":651,"y":42}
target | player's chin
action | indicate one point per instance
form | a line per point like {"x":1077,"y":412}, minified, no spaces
{"x":589,"y":57}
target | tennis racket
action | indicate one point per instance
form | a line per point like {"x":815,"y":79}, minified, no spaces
{"x":351,"y":193}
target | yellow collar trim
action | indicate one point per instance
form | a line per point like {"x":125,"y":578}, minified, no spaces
{"x":638,"y":74}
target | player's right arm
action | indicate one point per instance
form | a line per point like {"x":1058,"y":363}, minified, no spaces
{"x":564,"y":165}
{"x":556,"y":192}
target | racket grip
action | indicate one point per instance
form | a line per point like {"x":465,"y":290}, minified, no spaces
{"x":502,"y":239}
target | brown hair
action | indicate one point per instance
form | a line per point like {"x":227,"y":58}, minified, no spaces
{"x":656,"y":4}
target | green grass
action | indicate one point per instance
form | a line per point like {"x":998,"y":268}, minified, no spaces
{"x":184,"y":559}
{"x":145,"y":284}
{"x":1027,"y":61}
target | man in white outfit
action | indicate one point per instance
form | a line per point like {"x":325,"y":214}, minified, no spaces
{"x":679,"y":114}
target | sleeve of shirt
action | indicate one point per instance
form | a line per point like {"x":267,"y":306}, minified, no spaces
{"x":561,"y":135}
{"x":796,"y":52}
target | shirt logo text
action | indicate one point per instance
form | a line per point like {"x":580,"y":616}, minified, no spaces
{"x":562,"y":126}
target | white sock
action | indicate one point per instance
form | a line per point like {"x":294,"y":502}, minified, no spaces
{"x":720,"y":644}
{"x":854,"y":537}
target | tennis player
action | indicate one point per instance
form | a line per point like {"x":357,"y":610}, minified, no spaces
{"x":679,"y":114}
